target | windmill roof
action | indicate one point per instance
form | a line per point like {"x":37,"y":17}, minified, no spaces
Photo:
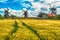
{"x":51,"y":15}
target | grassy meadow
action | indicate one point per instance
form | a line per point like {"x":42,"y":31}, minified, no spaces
{"x":29,"y":29}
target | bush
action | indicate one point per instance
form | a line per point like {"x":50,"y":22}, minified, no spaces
{"x":1,"y":17}
{"x":58,"y":16}
{"x":13,"y":16}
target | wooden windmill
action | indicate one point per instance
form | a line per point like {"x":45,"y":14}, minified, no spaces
{"x":25,"y":13}
{"x":52,"y":9}
{"x":6,"y":13}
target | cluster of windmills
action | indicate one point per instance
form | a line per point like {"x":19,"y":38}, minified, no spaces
{"x":52,"y":13}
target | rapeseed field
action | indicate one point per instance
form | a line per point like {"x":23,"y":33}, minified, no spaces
{"x":29,"y":29}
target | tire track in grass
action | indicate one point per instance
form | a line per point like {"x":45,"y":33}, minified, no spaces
{"x":15,"y":28}
{"x":32,"y":30}
{"x":54,"y":35}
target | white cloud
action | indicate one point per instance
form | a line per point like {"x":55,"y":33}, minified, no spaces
{"x":23,"y":0}
{"x":57,"y":4}
{"x":16,"y":12}
{"x":52,"y":2}
{"x":49,"y":1}
{"x":2,"y":9}
{"x":26,"y":5}
{"x":29,"y":0}
{"x":37,"y":6}
{"x":24,"y":9}
{"x":4,"y":1}
{"x":58,"y":10}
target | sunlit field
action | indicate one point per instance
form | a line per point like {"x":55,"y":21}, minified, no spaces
{"x":29,"y":29}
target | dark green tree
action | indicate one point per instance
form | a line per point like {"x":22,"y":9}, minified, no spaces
{"x":1,"y":17}
{"x":58,"y":16}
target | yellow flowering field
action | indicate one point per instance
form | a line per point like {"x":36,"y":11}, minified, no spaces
{"x":29,"y":29}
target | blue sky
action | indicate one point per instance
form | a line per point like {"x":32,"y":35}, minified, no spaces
{"x":33,"y":6}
